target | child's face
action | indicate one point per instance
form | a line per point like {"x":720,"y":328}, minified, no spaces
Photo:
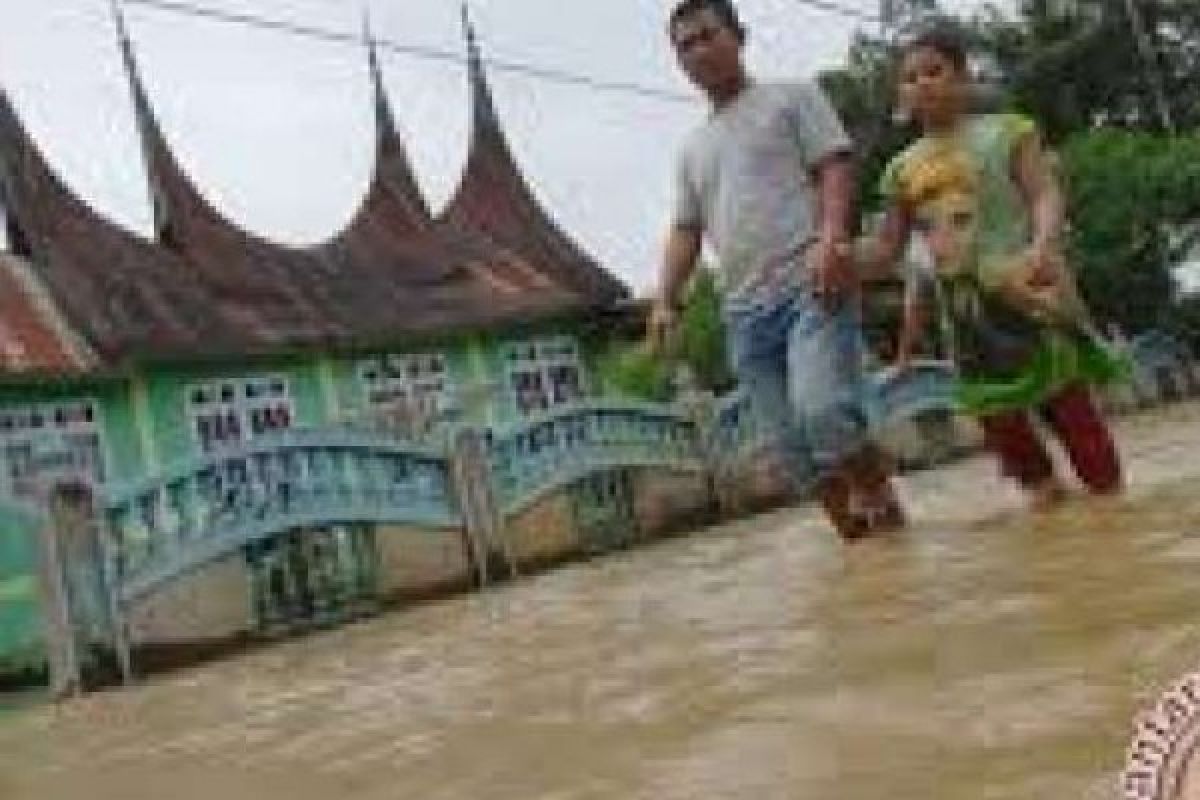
{"x":931,"y":88}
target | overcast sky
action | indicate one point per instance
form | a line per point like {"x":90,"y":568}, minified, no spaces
{"x":276,"y":130}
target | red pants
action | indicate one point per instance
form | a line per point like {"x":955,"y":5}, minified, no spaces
{"x":1076,"y":422}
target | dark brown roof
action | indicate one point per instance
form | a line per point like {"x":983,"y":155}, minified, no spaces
{"x":115,"y":291}
{"x":493,"y":198}
{"x":208,"y":287}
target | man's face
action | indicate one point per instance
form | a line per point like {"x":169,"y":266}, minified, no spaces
{"x":708,"y":50}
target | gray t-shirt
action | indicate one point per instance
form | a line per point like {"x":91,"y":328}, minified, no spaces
{"x":744,"y":178}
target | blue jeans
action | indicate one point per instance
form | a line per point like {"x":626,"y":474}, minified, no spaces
{"x":801,"y":367}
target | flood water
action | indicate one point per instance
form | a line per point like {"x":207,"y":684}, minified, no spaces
{"x":985,"y":655}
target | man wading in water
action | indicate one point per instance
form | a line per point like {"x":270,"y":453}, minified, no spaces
{"x":768,"y":179}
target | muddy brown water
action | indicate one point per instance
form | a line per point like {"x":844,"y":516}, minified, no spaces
{"x":984,"y":655}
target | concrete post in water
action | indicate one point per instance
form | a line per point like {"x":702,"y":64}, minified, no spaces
{"x":87,"y":572}
{"x":111,"y":565}
{"x":471,"y":473}
{"x":700,"y":406}
{"x":76,"y":572}
{"x":66,"y":673}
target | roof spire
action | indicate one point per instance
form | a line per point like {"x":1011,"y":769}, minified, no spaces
{"x":392,"y":168}
{"x":483,"y":109}
{"x":154,"y":147}
{"x":385,"y":120}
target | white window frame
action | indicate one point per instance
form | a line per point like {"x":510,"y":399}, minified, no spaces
{"x":245,"y":398}
{"x":65,"y":422}
{"x":407,"y":389}
{"x":540,"y":357}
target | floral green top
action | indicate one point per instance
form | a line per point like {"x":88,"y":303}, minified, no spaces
{"x":969,"y":211}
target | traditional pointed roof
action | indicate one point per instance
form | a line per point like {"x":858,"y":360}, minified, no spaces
{"x":248,"y":275}
{"x":393,"y":168}
{"x":388,"y":249}
{"x":81,"y":293}
{"x":95,"y":289}
{"x":493,"y":198}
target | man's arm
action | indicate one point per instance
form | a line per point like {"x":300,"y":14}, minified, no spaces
{"x":880,"y":253}
{"x":679,"y":261}
{"x":835,"y":196}
{"x":833,"y":270}
{"x":826,"y":151}
{"x":680,"y":255}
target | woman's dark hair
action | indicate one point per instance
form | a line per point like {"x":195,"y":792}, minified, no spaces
{"x":941,"y":39}
{"x":724,"y":10}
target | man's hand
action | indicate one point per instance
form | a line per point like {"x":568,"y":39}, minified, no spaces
{"x":662,"y":327}
{"x":831,"y":266}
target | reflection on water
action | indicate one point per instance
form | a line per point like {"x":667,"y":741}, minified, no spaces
{"x":987,"y":654}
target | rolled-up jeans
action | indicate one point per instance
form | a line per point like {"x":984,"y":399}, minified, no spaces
{"x":801,"y":367}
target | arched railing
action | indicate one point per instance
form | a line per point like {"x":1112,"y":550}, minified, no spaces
{"x":200,"y":511}
{"x":562,"y":446}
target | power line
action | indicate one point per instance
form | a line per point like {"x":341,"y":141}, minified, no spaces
{"x":404,"y":48}
{"x":836,"y":8}
{"x":549,"y":74}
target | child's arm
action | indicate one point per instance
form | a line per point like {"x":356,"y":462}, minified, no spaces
{"x":916,"y":317}
{"x":1034,"y":173}
{"x":1043,"y":285}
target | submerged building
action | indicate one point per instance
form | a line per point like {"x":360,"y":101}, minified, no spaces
{"x":127,"y":357}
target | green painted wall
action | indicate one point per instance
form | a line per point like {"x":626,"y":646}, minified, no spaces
{"x":126,"y":459}
{"x":21,"y":642}
{"x":145,"y":424}
{"x":168,"y":390}
{"x":502,"y":411}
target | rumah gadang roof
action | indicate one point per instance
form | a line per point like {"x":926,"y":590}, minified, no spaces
{"x":494,"y":198}
{"x":80,"y":293}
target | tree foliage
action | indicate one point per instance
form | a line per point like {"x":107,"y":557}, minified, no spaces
{"x":700,"y":346}
{"x":1126,"y":190}
{"x":1078,"y":65}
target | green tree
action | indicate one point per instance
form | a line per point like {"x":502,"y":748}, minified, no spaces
{"x":700,"y":345}
{"x":1073,"y":66}
{"x":702,"y":341}
{"x":863,"y":93}
{"x":1077,"y":65}
{"x":1126,"y":189}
